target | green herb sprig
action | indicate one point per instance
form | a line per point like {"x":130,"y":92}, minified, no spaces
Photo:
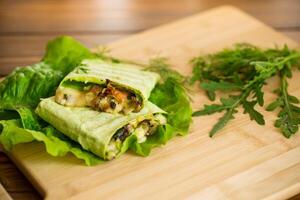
{"x":159,"y":65}
{"x":242,"y":71}
{"x":289,"y":116}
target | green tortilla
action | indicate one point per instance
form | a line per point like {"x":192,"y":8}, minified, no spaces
{"x":93,"y":130}
{"x":126,"y":76}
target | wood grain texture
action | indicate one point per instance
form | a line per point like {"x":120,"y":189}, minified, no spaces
{"x":3,"y":194}
{"x":25,"y":26}
{"x":14,"y":181}
{"x":48,"y":16}
{"x":26,"y":50}
{"x":245,"y":161}
{"x":30,"y":49}
{"x":23,"y":46}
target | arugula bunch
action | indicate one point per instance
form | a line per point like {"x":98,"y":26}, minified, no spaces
{"x":242,"y":71}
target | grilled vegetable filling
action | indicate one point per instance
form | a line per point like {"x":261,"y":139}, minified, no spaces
{"x":106,"y":98}
{"x":141,"y":129}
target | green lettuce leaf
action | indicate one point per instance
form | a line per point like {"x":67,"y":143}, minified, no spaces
{"x":56,"y":144}
{"x":171,"y":97}
{"x":24,"y":87}
{"x":161,"y":137}
{"x":21,"y":91}
{"x":12,"y":133}
{"x":29,"y":119}
{"x":64,"y":53}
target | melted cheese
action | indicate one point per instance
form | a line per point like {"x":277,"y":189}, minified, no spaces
{"x":70,"y":97}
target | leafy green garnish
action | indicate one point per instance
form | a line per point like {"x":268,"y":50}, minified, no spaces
{"x":65,"y":53}
{"x":244,"y":70}
{"x":25,"y":86}
{"x":56,"y":144}
{"x":170,"y":95}
{"x":289,"y":116}
{"x":21,"y":91}
{"x":161,"y":66}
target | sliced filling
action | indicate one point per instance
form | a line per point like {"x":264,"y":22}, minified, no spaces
{"x":142,"y":130}
{"x":106,"y":98}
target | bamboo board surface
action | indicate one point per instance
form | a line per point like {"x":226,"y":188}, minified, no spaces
{"x":3,"y":194}
{"x":244,"y":161}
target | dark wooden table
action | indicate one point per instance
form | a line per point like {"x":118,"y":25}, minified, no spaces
{"x":26,"y":26}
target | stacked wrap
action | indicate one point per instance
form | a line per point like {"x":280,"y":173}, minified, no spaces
{"x":95,"y":130}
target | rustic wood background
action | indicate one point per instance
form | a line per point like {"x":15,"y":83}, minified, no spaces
{"x":26,"y":26}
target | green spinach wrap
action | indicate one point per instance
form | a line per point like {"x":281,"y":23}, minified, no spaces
{"x":98,"y":132}
{"x":106,"y":86}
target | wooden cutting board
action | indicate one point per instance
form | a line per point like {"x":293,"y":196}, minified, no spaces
{"x":244,"y":161}
{"x":3,"y":194}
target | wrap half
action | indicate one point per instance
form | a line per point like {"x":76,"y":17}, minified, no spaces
{"x":99,"y":132}
{"x":107,"y":87}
